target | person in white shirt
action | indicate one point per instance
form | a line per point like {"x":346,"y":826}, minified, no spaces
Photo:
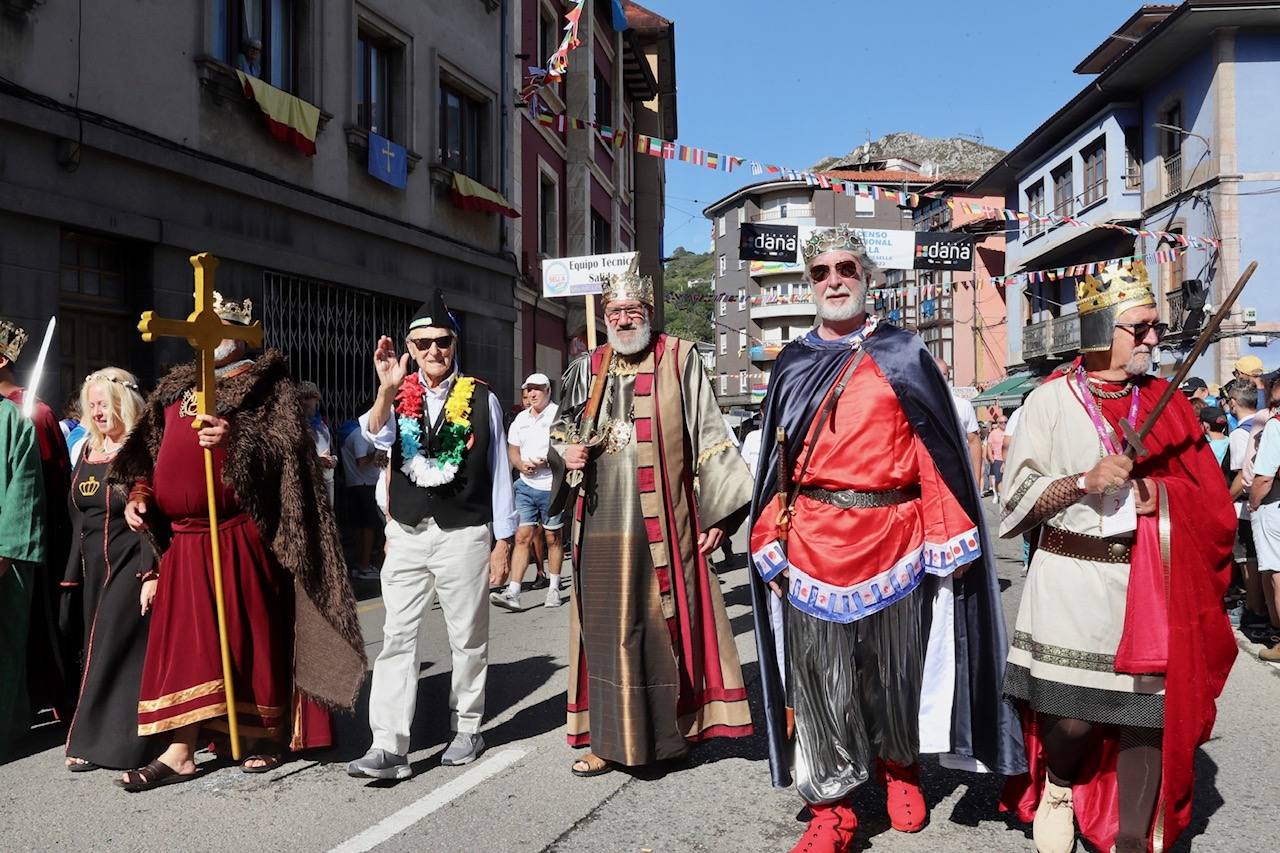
{"x":528,"y":445}
{"x":968,"y":420}
{"x":449,"y":496}
{"x":362,"y":466}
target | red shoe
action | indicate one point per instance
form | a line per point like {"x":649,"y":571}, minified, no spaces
{"x":907,"y":810}
{"x":830,"y":830}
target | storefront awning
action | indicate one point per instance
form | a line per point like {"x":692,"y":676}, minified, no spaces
{"x":473,"y":195}
{"x":1008,"y":392}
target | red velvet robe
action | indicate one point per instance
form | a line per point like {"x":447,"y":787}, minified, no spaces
{"x":182,"y":678}
{"x":1200,"y":647}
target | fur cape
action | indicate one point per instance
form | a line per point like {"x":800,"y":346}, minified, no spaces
{"x":272,"y":465}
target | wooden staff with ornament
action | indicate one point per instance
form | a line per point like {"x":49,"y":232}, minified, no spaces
{"x":204,"y":330}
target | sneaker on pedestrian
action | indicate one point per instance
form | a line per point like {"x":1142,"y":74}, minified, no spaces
{"x":552,"y":599}
{"x":540,"y":582}
{"x":1235,"y":615}
{"x":465,"y":749}
{"x":507,"y":600}
{"x":380,"y":764}
{"x":1271,"y":655}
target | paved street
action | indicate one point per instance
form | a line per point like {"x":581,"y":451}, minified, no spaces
{"x":520,"y":796}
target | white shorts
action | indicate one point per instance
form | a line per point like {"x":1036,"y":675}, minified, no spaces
{"x":1266,"y":537}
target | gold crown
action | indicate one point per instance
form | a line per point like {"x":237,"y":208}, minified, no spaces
{"x":89,"y":488}
{"x":841,"y":239}
{"x":12,"y":339}
{"x":1119,"y":286}
{"x":628,"y":285}
{"x":233,"y":312}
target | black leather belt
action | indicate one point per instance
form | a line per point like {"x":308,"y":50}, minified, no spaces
{"x":849,"y":499}
{"x":1081,"y":546}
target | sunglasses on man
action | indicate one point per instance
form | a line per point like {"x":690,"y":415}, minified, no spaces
{"x":442,"y":343}
{"x":820,"y":272}
{"x":1141,"y":330}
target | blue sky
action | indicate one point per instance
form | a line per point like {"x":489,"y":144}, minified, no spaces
{"x":791,"y":82}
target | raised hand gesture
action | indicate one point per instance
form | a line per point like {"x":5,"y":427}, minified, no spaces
{"x":391,"y":369}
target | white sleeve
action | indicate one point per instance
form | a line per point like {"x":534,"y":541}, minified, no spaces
{"x":1013,"y":422}
{"x":968,"y":417}
{"x":1239,"y":444}
{"x":383,"y":438}
{"x":503,"y":497}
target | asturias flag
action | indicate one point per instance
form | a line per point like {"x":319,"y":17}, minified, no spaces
{"x":387,"y":161}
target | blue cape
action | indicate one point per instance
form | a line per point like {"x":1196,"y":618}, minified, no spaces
{"x":984,"y":725}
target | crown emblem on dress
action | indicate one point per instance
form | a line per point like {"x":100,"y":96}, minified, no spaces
{"x":12,"y":340}
{"x":89,"y":488}
{"x":240,"y":313}
{"x":1118,"y":286}
{"x":841,"y":239}
{"x":628,"y":284}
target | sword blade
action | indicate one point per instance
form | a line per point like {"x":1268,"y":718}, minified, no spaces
{"x":33,"y":384}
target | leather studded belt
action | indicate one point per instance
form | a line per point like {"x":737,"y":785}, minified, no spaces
{"x":850,"y":499}
{"x":1081,"y":546}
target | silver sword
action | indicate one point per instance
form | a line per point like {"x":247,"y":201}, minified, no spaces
{"x":29,"y":394}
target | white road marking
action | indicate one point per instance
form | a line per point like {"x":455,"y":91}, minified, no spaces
{"x":398,"y":822}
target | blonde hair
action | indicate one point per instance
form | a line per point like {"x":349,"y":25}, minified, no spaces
{"x":121,"y":388}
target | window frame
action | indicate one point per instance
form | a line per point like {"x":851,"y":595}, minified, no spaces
{"x":743,"y":385}
{"x":724,"y":342}
{"x":1035,"y":207}
{"x":1063,"y":178}
{"x":227,"y":43}
{"x":600,"y":84}
{"x":474,"y":116}
{"x":548,"y":245}
{"x":387,"y":49}
{"x":1094,"y":159}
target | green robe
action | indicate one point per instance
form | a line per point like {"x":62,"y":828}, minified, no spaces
{"x":22,"y":514}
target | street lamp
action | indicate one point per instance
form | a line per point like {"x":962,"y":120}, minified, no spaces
{"x":1173,"y":128}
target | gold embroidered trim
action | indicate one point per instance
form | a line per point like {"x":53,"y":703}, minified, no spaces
{"x":713,"y":450}
{"x":1023,"y":487}
{"x":179,"y":696}
{"x":1063,"y":656}
{"x":619,"y":366}
{"x":171,"y":723}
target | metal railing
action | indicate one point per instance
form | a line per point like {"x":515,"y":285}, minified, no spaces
{"x":790,"y":211}
{"x":1172,"y":174}
{"x":1173,"y":300}
{"x":1064,"y":333}
{"x":1094,"y":192}
{"x":1035,"y":340}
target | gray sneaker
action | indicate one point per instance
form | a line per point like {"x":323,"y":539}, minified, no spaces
{"x":380,"y":764}
{"x":552,"y":599}
{"x":506,"y":600}
{"x":464,"y":750}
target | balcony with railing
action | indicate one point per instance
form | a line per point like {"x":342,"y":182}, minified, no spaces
{"x":1064,"y":334}
{"x":786,"y":211}
{"x":1173,"y":306}
{"x":1172,"y":174}
{"x":1035,"y":340}
{"x":765,"y":352}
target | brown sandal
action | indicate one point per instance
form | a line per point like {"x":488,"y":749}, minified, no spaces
{"x":272,"y":762}
{"x":157,"y":774}
{"x":595,"y":766}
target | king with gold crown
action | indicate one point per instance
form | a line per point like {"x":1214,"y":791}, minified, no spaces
{"x":294,"y":643}
{"x":653,"y":666}
{"x":1121,"y":646}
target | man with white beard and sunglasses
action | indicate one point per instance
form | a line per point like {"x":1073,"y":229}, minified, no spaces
{"x":1121,"y":646}
{"x":877,"y":609}
{"x":653,"y":665}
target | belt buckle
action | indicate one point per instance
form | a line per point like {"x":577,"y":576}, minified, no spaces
{"x":1118,"y":549}
{"x":842,"y":499}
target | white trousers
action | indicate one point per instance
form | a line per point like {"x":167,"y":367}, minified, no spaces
{"x":421,"y":563}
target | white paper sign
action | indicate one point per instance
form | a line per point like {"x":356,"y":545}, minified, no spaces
{"x":581,"y":276}
{"x":1119,"y":513}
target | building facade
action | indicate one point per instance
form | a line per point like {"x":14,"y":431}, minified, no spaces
{"x":962,"y":314}
{"x":759,"y":307}
{"x":581,"y":193}
{"x":119,"y":164}
{"x":1175,"y":132}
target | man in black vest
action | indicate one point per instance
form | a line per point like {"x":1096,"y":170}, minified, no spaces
{"x":449,"y":484}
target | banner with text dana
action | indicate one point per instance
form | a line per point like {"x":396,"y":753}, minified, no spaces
{"x":581,"y":276}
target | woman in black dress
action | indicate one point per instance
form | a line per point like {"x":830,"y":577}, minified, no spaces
{"x":114,"y":567}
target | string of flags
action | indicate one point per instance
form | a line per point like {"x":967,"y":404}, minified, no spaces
{"x":669,"y":150}
{"x":557,"y":63}
{"x":1163,"y":256}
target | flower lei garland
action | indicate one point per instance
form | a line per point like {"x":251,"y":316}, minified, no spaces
{"x":455,"y":433}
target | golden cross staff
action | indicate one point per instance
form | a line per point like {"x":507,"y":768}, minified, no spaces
{"x":204,"y":330}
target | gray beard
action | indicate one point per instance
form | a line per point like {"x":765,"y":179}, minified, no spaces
{"x":224,"y":350}
{"x":852,"y":309}
{"x":644,"y":334}
{"x":1138,"y":364}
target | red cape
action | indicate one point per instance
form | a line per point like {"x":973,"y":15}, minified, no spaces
{"x":1201,"y":647}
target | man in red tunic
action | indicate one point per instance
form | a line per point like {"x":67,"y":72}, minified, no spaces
{"x":873,"y":546}
{"x":291,"y":621}
{"x":52,"y":674}
{"x":1121,"y":647}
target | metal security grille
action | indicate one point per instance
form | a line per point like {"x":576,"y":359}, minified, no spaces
{"x":329,"y":332}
